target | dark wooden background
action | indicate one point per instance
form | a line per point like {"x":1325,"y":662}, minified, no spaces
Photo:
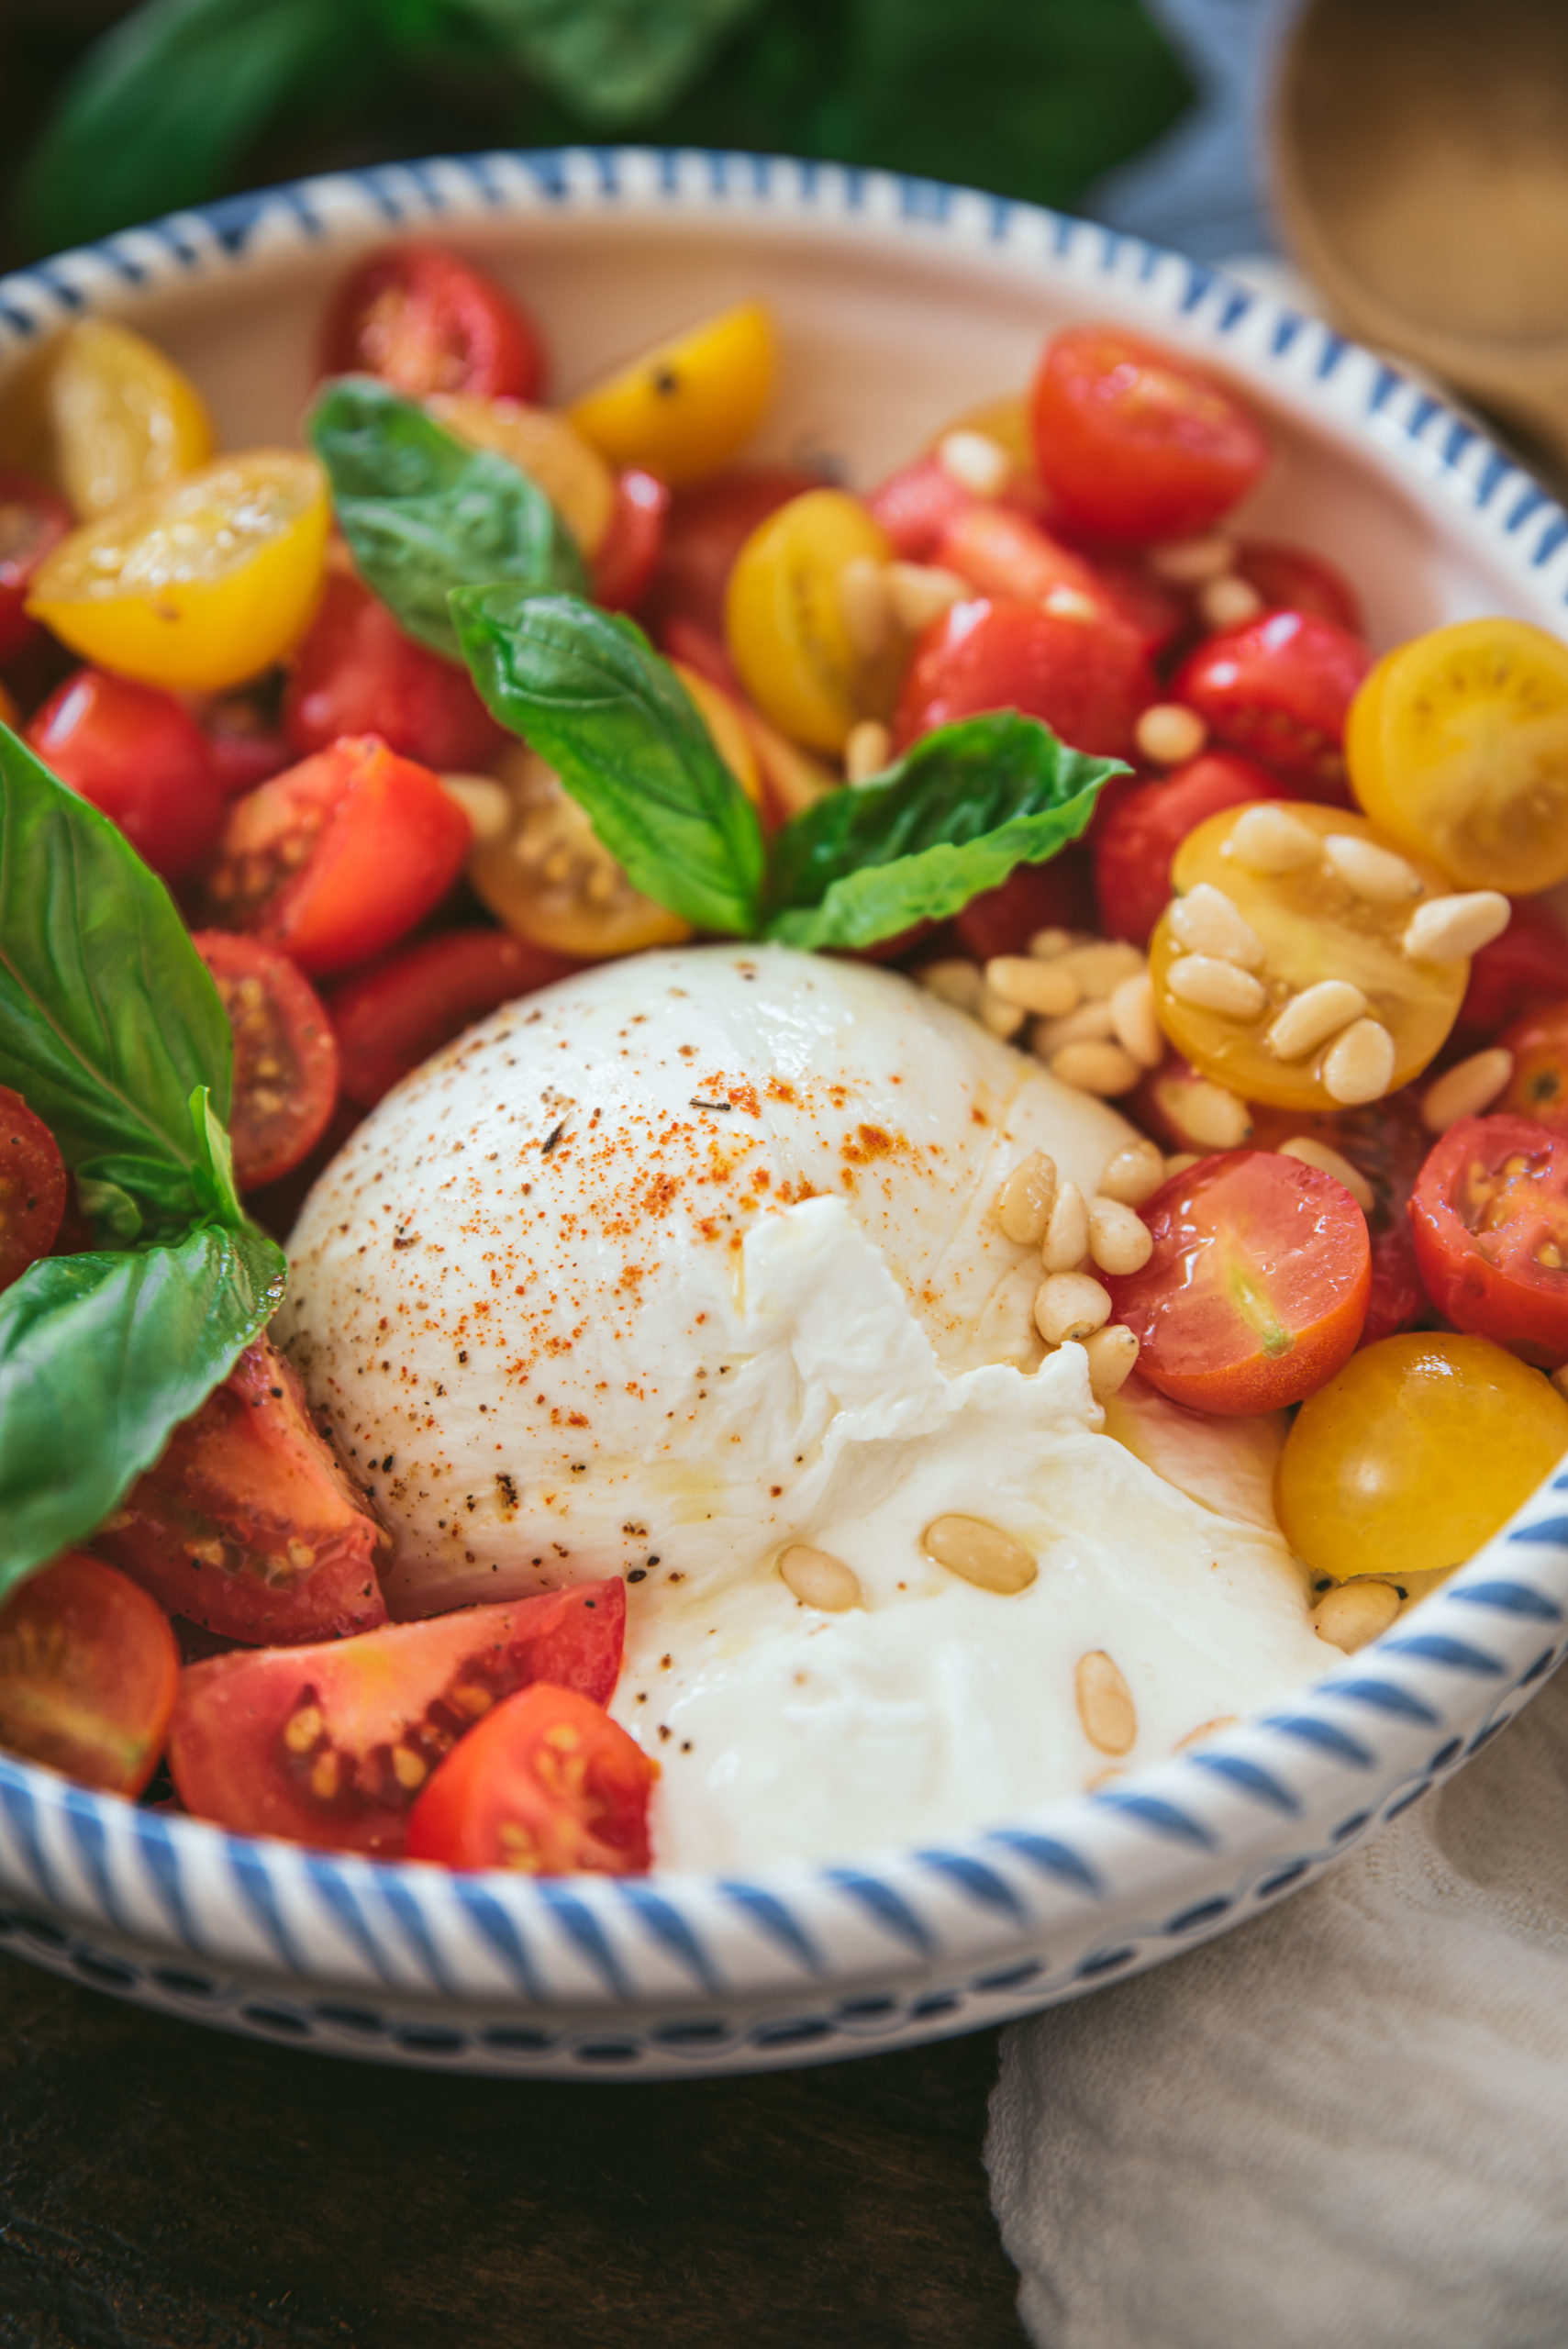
{"x":163,"y":2187}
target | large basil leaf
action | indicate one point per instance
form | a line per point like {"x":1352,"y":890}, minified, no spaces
{"x":101,"y":1357}
{"x":949,"y":819}
{"x":108,"y":1019}
{"x":588,"y":692}
{"x":423,"y":514}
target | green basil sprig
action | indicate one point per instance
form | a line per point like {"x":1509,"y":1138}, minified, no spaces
{"x":423,"y":514}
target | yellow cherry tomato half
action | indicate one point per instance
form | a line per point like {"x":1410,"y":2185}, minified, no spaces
{"x":549,"y":879}
{"x":101,"y":414}
{"x":1311,"y":925}
{"x":684,"y":408}
{"x":786,"y":623}
{"x":1457,"y":746}
{"x":573,"y":476}
{"x":1415,"y":1454}
{"x":198,"y":586}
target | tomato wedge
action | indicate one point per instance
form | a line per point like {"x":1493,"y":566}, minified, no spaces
{"x":1257,"y":1288}
{"x":547,"y":1785}
{"x":1387,"y":1144}
{"x":32,"y":1187}
{"x":1490,"y":1216}
{"x":249,"y":1524}
{"x":1136,"y":838}
{"x":357,"y":673}
{"x":88,"y":1674}
{"x":425,"y":320}
{"x":1056,"y":895}
{"x":1290,"y":579}
{"x":391,"y":1018}
{"x":625,"y":563}
{"x":1001,"y":551}
{"x":138,"y":754}
{"x":285,"y":1055}
{"x":1539,"y":1085}
{"x":330,"y":1745}
{"x":1080,"y":670}
{"x":1280,"y":690}
{"x":1524,"y":970}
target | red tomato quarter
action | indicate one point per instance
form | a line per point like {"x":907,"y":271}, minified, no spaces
{"x":357,"y":673}
{"x":624,"y":566}
{"x":138,"y":753}
{"x":1142,"y":832}
{"x":1257,"y":1288}
{"x":1524,"y":970}
{"x":1387,"y":1144}
{"x":1084,"y":673}
{"x":32,"y":1187}
{"x":88,"y":1672}
{"x":330,"y":1745}
{"x":1539,"y":1086}
{"x":391,"y":1018}
{"x":1289,"y":579}
{"x":1279,"y":691}
{"x":426,"y":321}
{"x":547,"y":1785}
{"x":704,"y":530}
{"x":340,"y":857}
{"x":32,"y":520}
{"x":285,"y":1055}
{"x":1001,"y":552}
{"x":1490,"y":1216}
{"x":1138,"y":443}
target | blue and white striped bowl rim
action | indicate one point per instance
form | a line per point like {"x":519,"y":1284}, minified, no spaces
{"x":996,"y":1921}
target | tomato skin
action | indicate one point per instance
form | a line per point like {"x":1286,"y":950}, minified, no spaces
{"x":1291,"y":579}
{"x":1143,"y":830}
{"x":89,"y":1669}
{"x":1524,"y":970}
{"x":1387,"y":1144}
{"x":1280,"y":690}
{"x":138,"y":753}
{"x":1087,"y":677}
{"x":1055,"y":896}
{"x":424,"y":320}
{"x":285,"y":1055}
{"x":242,"y":738}
{"x":32,"y":520}
{"x":243,"y":1488}
{"x":1486,"y":1236}
{"x":546,"y":1784}
{"x":915,"y":505}
{"x":704,"y":530}
{"x":1001,"y":552}
{"x":357,"y":673}
{"x":388,"y":1706}
{"x":1137,"y":442}
{"x":383,"y":841}
{"x":397,"y":1014}
{"x":33,"y":1190}
{"x":1257,"y":1288}
{"x":623,"y":568}
{"x":1539,"y":1085}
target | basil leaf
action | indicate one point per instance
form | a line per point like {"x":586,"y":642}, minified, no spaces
{"x":423,"y":514}
{"x":588,"y":692}
{"x":949,"y":818}
{"x":101,"y":1357}
{"x":108,"y":1017}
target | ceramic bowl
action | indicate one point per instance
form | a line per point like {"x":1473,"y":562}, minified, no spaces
{"x":900,"y":301}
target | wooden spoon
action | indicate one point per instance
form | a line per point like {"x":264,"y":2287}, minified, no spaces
{"x":1421,"y":169}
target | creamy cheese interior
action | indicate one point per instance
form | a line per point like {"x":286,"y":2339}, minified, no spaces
{"x":693,"y":1257}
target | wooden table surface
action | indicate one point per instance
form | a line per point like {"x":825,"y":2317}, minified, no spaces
{"x":163,"y":2187}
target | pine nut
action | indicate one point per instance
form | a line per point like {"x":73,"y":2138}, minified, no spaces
{"x":867,"y":751}
{"x":1047,"y":944}
{"x":1270,"y":840}
{"x":1069,"y":1305}
{"x":1311,"y":1018}
{"x":1206,"y":922}
{"x":1100,"y":964}
{"x":1449,"y":930}
{"x":1359,"y":1067}
{"x":1179,"y":1162}
{"x":1187,"y":563}
{"x":1026,"y":1198}
{"x":487,"y":803}
{"x":1000,"y":1018}
{"x":1375,"y":874}
{"x":1357,"y":1611}
{"x":975,"y":461}
{"x":1066,"y":1241}
{"x":920,"y":593}
{"x":980,"y":1553}
{"x":1329,"y":1161}
{"x":1105,"y":1704}
{"x":1228,"y":601}
{"x":1209,"y":984}
{"x":1134,"y":1175}
{"x":1045,"y":988}
{"x":1119,"y":1239}
{"x":955,"y":982}
{"x":1113,"y":1358}
{"x":1103,"y":1070}
{"x":1206,"y":1729}
{"x":1090,"y":1024}
{"x":1467,"y":1088}
{"x":1132,"y":1019}
{"x":1169,"y":733}
{"x":818,"y":1579}
{"x":1206,"y":1114}
{"x":864,"y":606}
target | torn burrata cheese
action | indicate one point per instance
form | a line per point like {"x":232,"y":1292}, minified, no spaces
{"x":694,"y":1258}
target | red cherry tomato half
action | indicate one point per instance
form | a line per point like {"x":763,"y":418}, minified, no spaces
{"x":285,"y":1055}
{"x":1141,"y":833}
{"x":1490,"y":1217}
{"x":1279,"y":690}
{"x":138,"y":753}
{"x":88,"y":1674}
{"x":1526,"y":970}
{"x":1257,"y":1288}
{"x":340,"y":857}
{"x":1289,"y":579}
{"x":249,"y":1524}
{"x":242,"y":738}
{"x":357,"y":673}
{"x":1539,"y":1085}
{"x":704,"y":530}
{"x":32,"y":520}
{"x":915,"y":506}
{"x":1057,"y":896}
{"x":547,"y":1785}
{"x":426,"y":321}
{"x":1084,"y":673}
{"x":1387,"y":1144}
{"x":1001,"y":553}
{"x":32,"y":1187}
{"x":397,"y":1014}
{"x":1138,"y":443}
{"x":330,"y":1745}
{"x":276,"y":1205}
{"x":628,"y":554}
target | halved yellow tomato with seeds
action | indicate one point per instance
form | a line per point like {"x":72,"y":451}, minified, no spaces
{"x":785,"y":625}
{"x":684,"y":408}
{"x":101,"y":414}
